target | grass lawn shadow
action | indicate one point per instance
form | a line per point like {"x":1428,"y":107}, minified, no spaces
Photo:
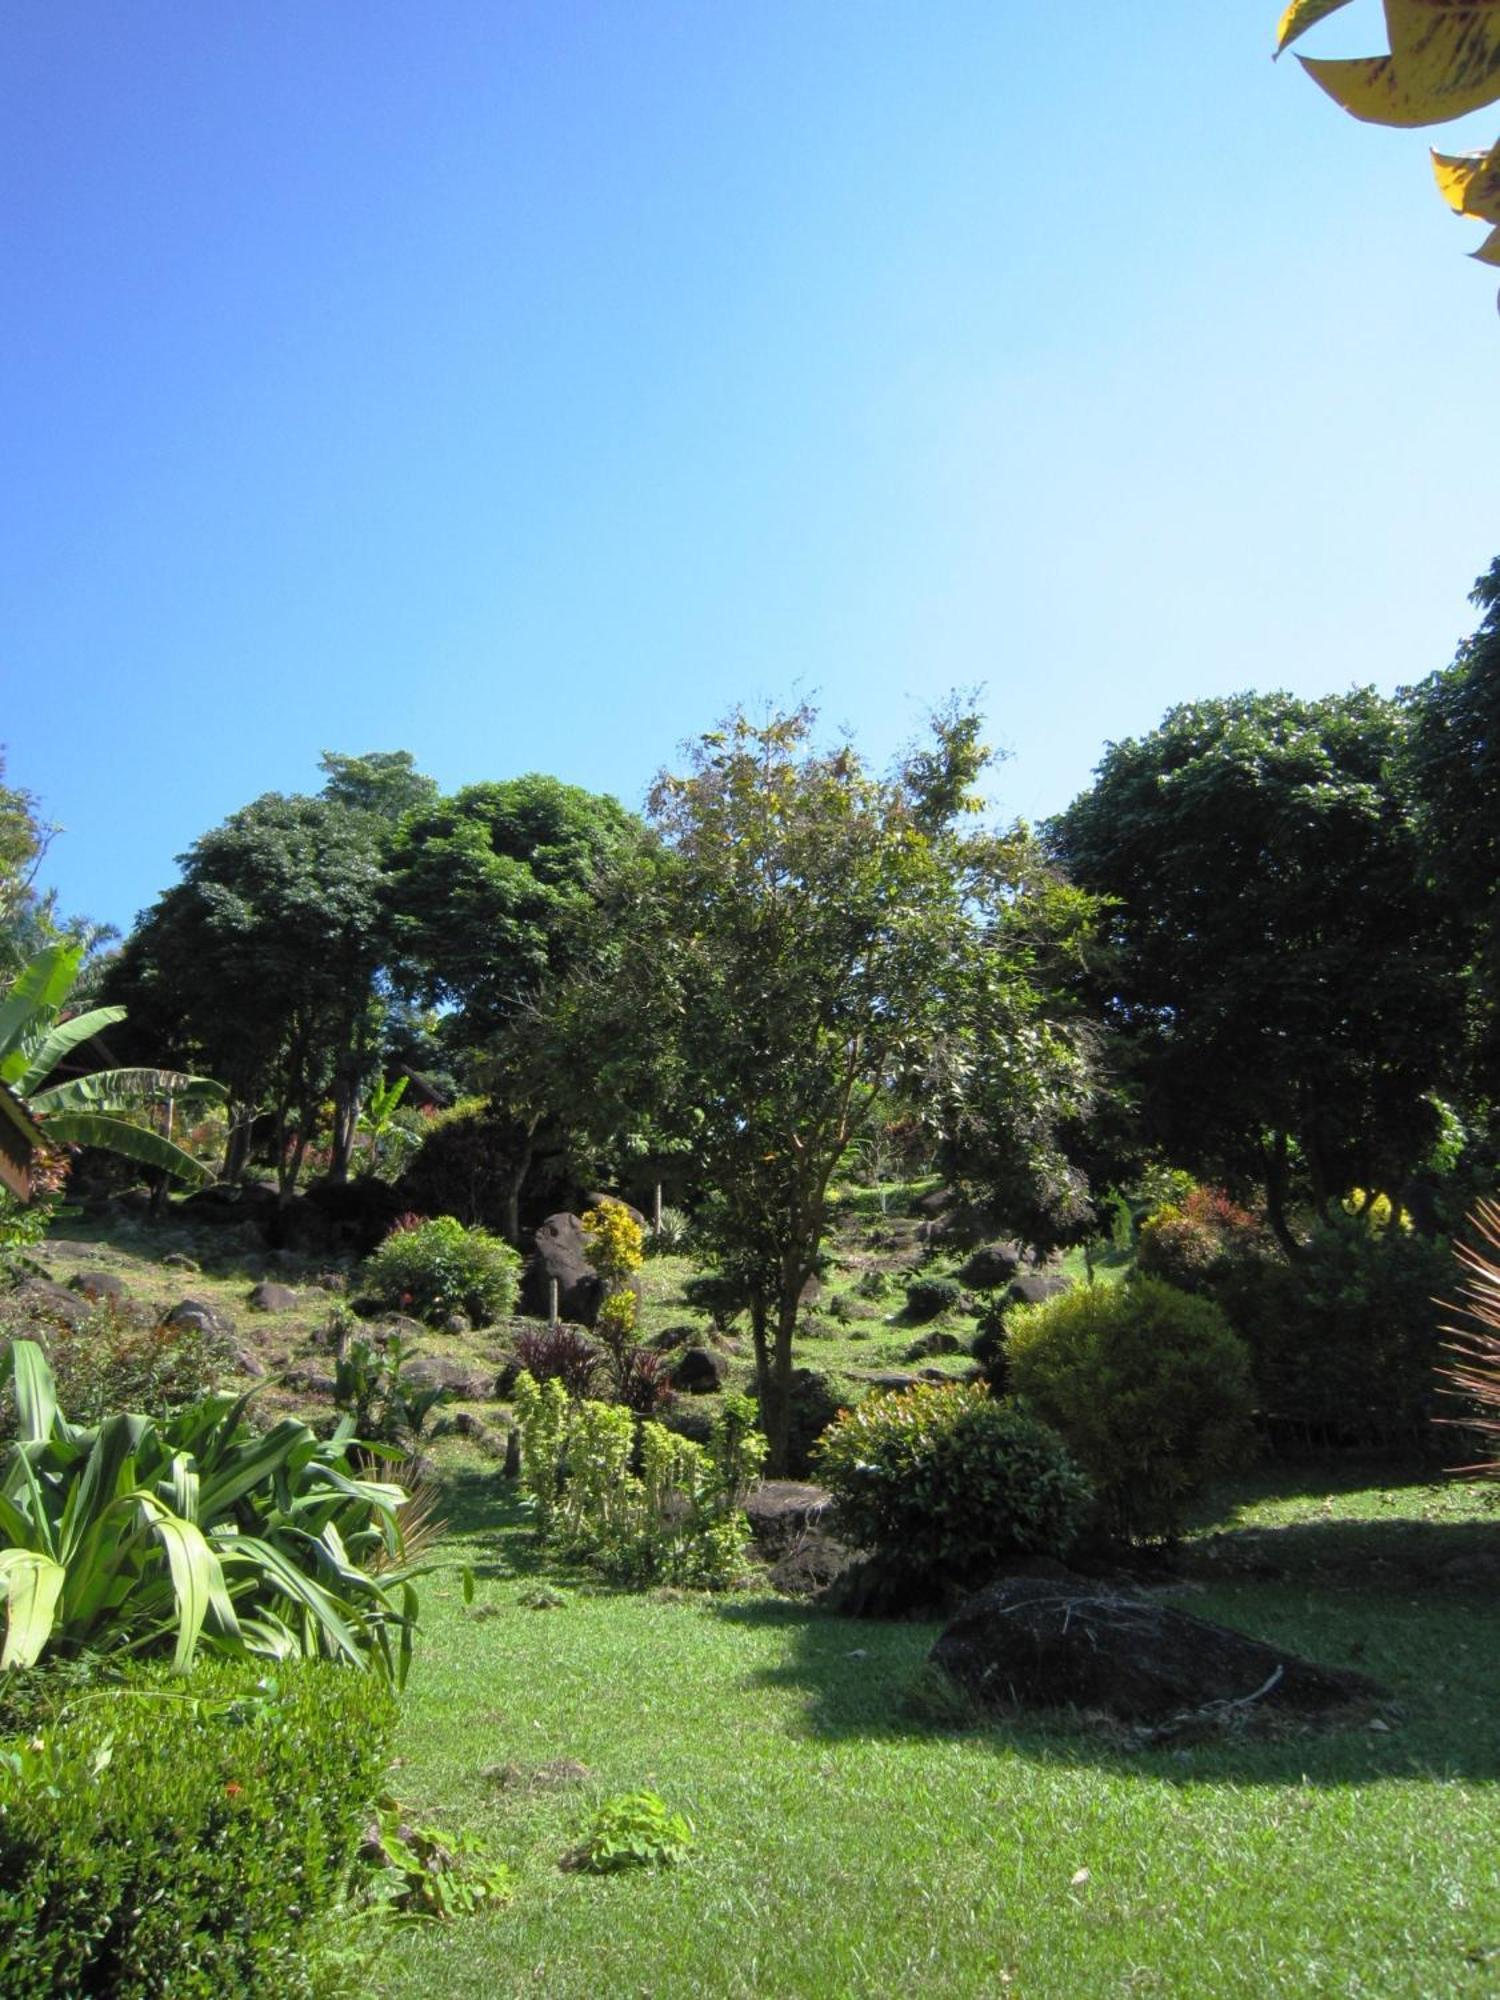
{"x":865,"y":1679}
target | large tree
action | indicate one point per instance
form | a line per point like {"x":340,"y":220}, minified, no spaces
{"x":1454,"y":761}
{"x":1281,"y":978}
{"x":812,"y":940}
{"x":260,"y":966}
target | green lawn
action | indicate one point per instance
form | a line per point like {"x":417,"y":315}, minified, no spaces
{"x":847,"y":1848}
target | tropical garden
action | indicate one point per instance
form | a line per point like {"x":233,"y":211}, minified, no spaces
{"x":529,"y":1330}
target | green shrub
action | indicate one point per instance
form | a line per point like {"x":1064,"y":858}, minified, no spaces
{"x":1344,"y":1344}
{"x":676,"y":1521}
{"x":157,"y":1840}
{"x":947,"y":1482}
{"x":927,"y":1297}
{"x":1149,"y":1386}
{"x":631,"y":1830}
{"x":722,"y":1298}
{"x":436,"y":1268}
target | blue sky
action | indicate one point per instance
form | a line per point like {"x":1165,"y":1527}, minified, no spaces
{"x":524,"y":384}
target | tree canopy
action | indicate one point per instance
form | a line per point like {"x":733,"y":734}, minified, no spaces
{"x":815,"y":936}
{"x":1283,"y":979}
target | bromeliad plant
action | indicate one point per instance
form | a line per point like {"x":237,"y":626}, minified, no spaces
{"x":141,"y":1537}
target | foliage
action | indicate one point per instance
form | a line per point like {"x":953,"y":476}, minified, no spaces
{"x":119,"y":1357}
{"x":1475,"y":1346}
{"x":439,"y":1267}
{"x":722,"y":1297}
{"x":260,"y":964}
{"x":428,"y":1874}
{"x":673,"y":1235}
{"x":1149,"y":1387}
{"x":947,"y":1482}
{"x":148,"y":1536}
{"x":814,"y":943}
{"x":159,"y":1841}
{"x":560,"y":1353}
{"x":631,"y":1830}
{"x":614,"y":1241}
{"x":1192,"y":1242}
{"x":676,"y":1521}
{"x":642,"y":1381}
{"x":95,"y":1109}
{"x":368,"y":1387}
{"x":1343,"y":1342}
{"x":1454,"y":727}
{"x":473,"y":1162}
{"x":927,"y":1297}
{"x":1443,"y":61}
{"x":1281,"y":985}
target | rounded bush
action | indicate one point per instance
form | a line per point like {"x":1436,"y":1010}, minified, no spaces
{"x":432,"y":1269}
{"x":1149,"y":1386}
{"x":1197,"y":1241}
{"x":927,"y":1297}
{"x":946,"y":1482}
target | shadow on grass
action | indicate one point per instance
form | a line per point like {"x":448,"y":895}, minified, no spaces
{"x":866,"y":1679}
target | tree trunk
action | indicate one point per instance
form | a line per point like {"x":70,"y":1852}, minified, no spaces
{"x":346,"y":1099}
{"x":1274,"y":1157}
{"x":237,"y":1146}
{"x":513,"y":1189}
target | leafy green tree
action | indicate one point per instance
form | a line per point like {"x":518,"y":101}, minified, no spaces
{"x":1281,"y":982}
{"x":383,"y":783}
{"x":493,"y":898}
{"x":261,"y":965}
{"x":813,"y":940}
{"x":484,"y":890}
{"x":1454,"y":762}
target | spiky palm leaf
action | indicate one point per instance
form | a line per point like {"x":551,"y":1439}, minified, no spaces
{"x":1476,"y":1346}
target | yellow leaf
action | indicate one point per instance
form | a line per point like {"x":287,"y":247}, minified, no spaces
{"x":1444,"y":61}
{"x":1470,"y":183}
{"x":1489,"y":250}
{"x":1302,"y":15}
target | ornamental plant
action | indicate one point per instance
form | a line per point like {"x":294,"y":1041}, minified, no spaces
{"x":1149,"y":1387}
{"x":675,"y":1520}
{"x":150,"y":1537}
{"x":945,"y":1482}
{"x":614,"y":1244}
{"x":436,"y":1268}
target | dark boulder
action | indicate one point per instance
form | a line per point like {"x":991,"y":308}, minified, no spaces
{"x":699,"y":1371}
{"x":439,"y":1371}
{"x":335,"y":1218}
{"x":991,"y":1266}
{"x":200,"y":1314}
{"x":558,"y":1253}
{"x":37,"y":1303}
{"x":782,"y":1511}
{"x":937,"y":1342}
{"x":1055,"y":1643}
{"x":1031,"y":1288}
{"x":98,"y":1286}
{"x":268,"y":1297}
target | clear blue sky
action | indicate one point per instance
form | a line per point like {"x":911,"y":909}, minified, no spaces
{"x":523,"y":384}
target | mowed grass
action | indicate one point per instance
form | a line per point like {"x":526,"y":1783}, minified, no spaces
{"x":848,"y":1847}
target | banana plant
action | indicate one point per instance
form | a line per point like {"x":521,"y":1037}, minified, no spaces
{"x":147,"y":1537}
{"x":1444,"y":61}
{"x":86,"y":1110}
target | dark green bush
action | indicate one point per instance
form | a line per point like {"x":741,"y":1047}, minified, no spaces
{"x":946,"y":1482}
{"x":169,"y":1841}
{"x":722,"y":1298}
{"x":927,"y":1297}
{"x":1149,"y":1386}
{"x":1344,"y":1344}
{"x":439,"y":1267}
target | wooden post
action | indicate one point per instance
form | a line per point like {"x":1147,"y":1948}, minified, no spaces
{"x":552,"y":1302}
{"x":656,"y":1215}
